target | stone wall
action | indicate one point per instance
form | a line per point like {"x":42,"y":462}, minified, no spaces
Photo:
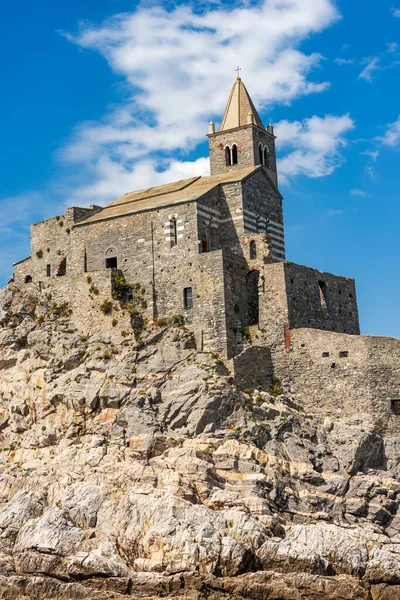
{"x":355,"y":375}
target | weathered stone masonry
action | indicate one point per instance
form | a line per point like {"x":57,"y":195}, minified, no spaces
{"x":213,"y":249}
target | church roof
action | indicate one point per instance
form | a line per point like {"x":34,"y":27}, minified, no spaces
{"x":185,"y":190}
{"x":238,"y":108}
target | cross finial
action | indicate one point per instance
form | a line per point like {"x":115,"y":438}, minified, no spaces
{"x":238,"y":69}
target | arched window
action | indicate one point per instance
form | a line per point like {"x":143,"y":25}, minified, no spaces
{"x":253,"y":250}
{"x":111,"y":259}
{"x":261,"y":154}
{"x":266,"y":157}
{"x":234,"y":154}
{"x":173,"y":233}
{"x":28,"y":278}
{"x":228,"y":156}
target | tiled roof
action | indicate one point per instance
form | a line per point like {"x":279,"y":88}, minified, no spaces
{"x":164,"y":195}
{"x":238,"y":107}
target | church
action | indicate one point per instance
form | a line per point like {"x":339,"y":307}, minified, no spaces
{"x":209,"y":248}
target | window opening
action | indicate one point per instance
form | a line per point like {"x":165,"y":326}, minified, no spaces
{"x":343,"y":354}
{"x":228,"y":156}
{"x":395,"y":406}
{"x":62,"y":268}
{"x":322,"y":293}
{"x":111,"y":263}
{"x":252,"y":297}
{"x":260,"y":154}
{"x":48,"y":270}
{"x":253,"y":250}
{"x":173,"y":232}
{"x":187,"y":297}
{"x":205,"y":246}
{"x":234,"y":155}
{"x":28,"y":278}
{"x":266,"y":157}
{"x":325,"y":354}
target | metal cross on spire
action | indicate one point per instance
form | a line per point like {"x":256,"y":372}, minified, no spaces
{"x":238,"y":69}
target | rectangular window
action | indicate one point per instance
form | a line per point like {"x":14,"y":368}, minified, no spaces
{"x":322,"y":293}
{"x":204,"y":245}
{"x":395,"y":406}
{"x":343,"y":354}
{"x":187,"y":297}
{"x":111,"y":263}
{"x":48,"y":270}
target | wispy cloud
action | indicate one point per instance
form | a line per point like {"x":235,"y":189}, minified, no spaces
{"x":392,"y":47}
{"x":373,"y":65}
{"x":344,"y":61}
{"x":360,"y":193}
{"x":334,"y":212}
{"x":396,"y":12}
{"x":373,"y":154}
{"x":392,"y":134}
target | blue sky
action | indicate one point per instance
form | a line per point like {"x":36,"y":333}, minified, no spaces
{"x":100,"y":97}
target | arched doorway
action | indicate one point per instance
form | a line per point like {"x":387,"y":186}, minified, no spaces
{"x":253,"y":307}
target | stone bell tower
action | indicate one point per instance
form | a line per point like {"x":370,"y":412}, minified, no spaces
{"x":242,"y":140}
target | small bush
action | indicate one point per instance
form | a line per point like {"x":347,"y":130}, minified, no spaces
{"x":94,"y":290}
{"x":160,"y":322}
{"x":106,"y":306}
{"x":276,"y":387}
{"x":68,"y":230}
{"x":43,"y":427}
{"x":89,"y":279}
{"x":61,"y":223}
{"x":177,"y":320}
{"x":124,"y":333}
{"x":57,"y":218}
{"x":114,"y":322}
{"x":39,"y":253}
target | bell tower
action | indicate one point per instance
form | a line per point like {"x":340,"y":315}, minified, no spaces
{"x":242,"y":140}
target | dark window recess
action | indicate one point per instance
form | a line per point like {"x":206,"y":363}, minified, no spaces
{"x":173,"y":233}
{"x":333,"y":366}
{"x":266,"y":157}
{"x":234,"y":154}
{"x":260,"y":151}
{"x":343,"y":354}
{"x":62,"y":268}
{"x":205,"y":246}
{"x":395,"y":406}
{"x":322,"y":293}
{"x":48,"y":270}
{"x":228,"y":156}
{"x":253,"y":250}
{"x":188,"y":297}
{"x":252,"y":297}
{"x":28,"y":278}
{"x":112,"y":262}
{"x":325,"y":354}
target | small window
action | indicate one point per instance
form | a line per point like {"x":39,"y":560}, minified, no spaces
{"x":234,"y":154}
{"x":228,"y":156}
{"x":253,"y":250}
{"x":395,"y":406}
{"x":48,"y":270}
{"x":322,"y":293}
{"x":173,"y":232}
{"x":62,"y":268}
{"x":260,"y":152}
{"x":28,"y":278}
{"x":187,"y":297}
{"x":325,"y":354}
{"x":343,"y":354}
{"x":112,"y":262}
{"x":205,"y":246}
{"x":266,"y":157}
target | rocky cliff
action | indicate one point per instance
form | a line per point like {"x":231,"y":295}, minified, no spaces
{"x":139,"y":469}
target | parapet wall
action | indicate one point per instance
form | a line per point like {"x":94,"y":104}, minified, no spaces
{"x":333,"y":373}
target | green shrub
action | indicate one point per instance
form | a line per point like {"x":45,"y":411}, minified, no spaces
{"x":276,"y":388}
{"x":106,"y":306}
{"x":177,"y":320}
{"x":39,"y":253}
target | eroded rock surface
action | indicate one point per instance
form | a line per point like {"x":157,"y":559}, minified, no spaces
{"x":142,"y":470}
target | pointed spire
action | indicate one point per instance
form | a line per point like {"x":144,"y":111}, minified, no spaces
{"x":238,"y":108}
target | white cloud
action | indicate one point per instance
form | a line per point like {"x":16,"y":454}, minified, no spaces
{"x":334,"y":212}
{"x":359,"y":193}
{"x":372,"y":66}
{"x":344,"y":61}
{"x":396,"y":12}
{"x":316,"y":141}
{"x":373,"y":154}
{"x":392,"y":135}
{"x":392,"y":47}
{"x":179,"y":66}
